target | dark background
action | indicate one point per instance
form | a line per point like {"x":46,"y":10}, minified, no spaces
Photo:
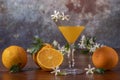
{"x":21,"y":20}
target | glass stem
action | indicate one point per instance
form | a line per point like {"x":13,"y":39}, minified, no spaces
{"x":71,"y":60}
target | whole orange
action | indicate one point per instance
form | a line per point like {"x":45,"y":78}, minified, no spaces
{"x":14,"y":55}
{"x":105,"y":57}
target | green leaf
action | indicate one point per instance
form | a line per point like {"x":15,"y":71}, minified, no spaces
{"x":15,"y":68}
{"x":36,"y":45}
{"x":67,"y":46}
{"x":100,"y":70}
{"x":94,"y":39}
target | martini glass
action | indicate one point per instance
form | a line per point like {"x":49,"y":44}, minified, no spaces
{"x":71,"y":34}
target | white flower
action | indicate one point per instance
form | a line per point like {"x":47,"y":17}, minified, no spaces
{"x":55,"y":43}
{"x":83,"y":38}
{"x":82,"y":42}
{"x":94,"y":47}
{"x":63,"y":50}
{"x":89,"y":70}
{"x":28,"y":50}
{"x":56,"y":70}
{"x":64,"y":17}
{"x":97,"y":45}
{"x":88,"y":43}
{"x":56,"y":15}
{"x":59,"y":16}
{"x":81,"y":45}
{"x":91,"y":41}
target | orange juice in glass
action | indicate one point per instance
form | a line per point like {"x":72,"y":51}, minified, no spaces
{"x":71,"y":34}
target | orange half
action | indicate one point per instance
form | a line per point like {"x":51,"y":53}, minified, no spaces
{"x":49,"y":58}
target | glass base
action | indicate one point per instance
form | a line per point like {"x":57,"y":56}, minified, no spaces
{"x":72,"y":71}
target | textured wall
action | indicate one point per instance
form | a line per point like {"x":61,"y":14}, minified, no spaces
{"x":21,"y":20}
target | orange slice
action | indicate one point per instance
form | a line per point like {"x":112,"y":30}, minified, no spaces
{"x":49,"y":58}
{"x":45,"y":45}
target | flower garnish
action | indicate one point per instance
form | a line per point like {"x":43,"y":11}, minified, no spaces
{"x":89,"y":70}
{"x":92,"y":49}
{"x":64,"y":17}
{"x":56,"y":70}
{"x":59,"y":16}
{"x":55,"y":16}
{"x":63,"y":49}
{"x":56,"y":44}
{"x":89,"y":43}
{"x":82,"y":42}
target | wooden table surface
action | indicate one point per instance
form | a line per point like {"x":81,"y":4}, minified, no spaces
{"x":32,"y":72}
